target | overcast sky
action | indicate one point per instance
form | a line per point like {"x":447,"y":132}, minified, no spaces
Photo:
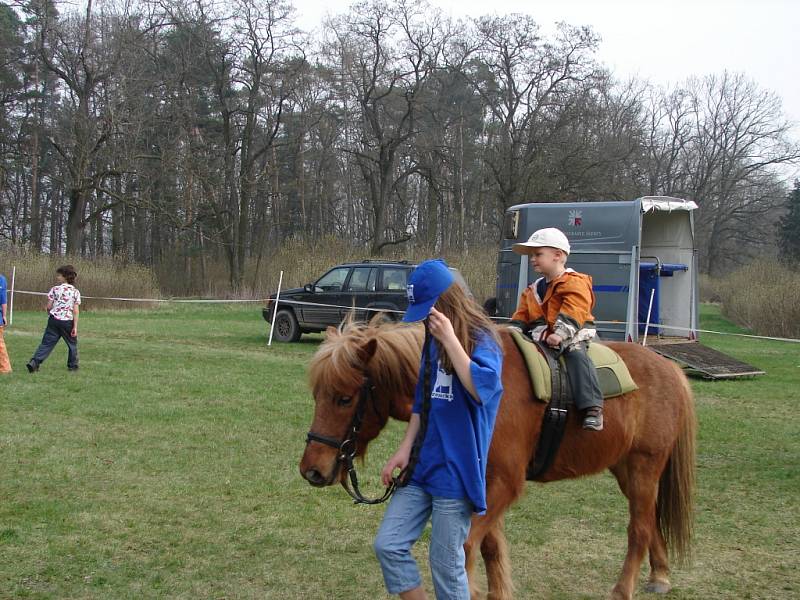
{"x":664,"y":41}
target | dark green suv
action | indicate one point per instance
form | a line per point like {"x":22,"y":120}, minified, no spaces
{"x":370,"y":284}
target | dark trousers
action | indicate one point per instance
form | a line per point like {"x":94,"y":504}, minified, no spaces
{"x":582,"y":378}
{"x":55,"y":331}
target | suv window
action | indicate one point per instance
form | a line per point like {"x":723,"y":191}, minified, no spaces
{"x":394,"y":279}
{"x":362,"y":279}
{"x":333,"y":280}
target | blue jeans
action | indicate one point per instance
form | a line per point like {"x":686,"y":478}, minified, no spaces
{"x":57,"y":330}
{"x":403,"y":523}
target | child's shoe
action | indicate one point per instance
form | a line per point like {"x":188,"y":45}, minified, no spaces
{"x":32,"y":367}
{"x":593,"y":418}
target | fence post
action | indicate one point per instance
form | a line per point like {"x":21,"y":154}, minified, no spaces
{"x":11,"y":303}
{"x":647,"y":324}
{"x":275,"y":309}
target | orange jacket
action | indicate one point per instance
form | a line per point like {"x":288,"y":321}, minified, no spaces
{"x":570,"y":296}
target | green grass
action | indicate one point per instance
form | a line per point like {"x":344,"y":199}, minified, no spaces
{"x":167,"y":468}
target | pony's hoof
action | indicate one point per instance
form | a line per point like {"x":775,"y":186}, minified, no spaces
{"x":657,"y":587}
{"x":617,"y":594}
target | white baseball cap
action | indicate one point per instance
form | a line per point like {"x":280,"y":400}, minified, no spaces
{"x":550,"y":236}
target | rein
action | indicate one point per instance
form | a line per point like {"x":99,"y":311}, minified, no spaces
{"x":348,"y":446}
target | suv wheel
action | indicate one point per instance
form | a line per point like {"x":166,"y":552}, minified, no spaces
{"x":286,"y":326}
{"x":379,"y":318}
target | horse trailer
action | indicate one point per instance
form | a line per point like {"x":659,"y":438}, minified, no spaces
{"x":642,"y":257}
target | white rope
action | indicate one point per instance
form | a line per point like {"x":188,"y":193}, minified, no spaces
{"x":689,"y":329}
{"x":401,"y":312}
{"x":164,"y":300}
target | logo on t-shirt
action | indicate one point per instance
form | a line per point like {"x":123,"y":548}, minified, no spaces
{"x":443,"y":388}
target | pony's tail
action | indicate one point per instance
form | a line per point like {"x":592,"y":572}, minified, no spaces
{"x":675,"y":503}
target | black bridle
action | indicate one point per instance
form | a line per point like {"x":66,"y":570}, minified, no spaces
{"x":348,"y":446}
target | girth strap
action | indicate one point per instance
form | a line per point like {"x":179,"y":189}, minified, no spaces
{"x":555,"y":416}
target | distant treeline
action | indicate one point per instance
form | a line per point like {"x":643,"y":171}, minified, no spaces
{"x":184,"y":134}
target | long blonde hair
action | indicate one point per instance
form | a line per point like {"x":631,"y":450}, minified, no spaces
{"x":468,"y":319}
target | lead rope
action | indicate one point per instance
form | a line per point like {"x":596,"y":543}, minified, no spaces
{"x":405,"y":475}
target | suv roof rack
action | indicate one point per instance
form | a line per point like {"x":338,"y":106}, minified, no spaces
{"x":380,"y":260}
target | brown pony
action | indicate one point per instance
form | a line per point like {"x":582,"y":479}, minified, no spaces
{"x":648,"y":443}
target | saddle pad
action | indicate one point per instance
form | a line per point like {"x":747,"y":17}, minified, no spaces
{"x":612,"y":373}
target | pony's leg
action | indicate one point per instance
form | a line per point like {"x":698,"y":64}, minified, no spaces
{"x":494,"y":550}
{"x":658,"y":582}
{"x":641,"y":488}
{"x":487,"y":534}
{"x":470,"y":552}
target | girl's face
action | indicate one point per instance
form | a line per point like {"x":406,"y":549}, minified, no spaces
{"x":547,"y":261}
{"x":60,"y":278}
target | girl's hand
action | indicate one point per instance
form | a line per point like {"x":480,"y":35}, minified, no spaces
{"x":398,"y":461}
{"x":74,"y":332}
{"x":440,"y":326}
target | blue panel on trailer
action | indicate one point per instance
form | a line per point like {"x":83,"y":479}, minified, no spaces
{"x":648,"y":284}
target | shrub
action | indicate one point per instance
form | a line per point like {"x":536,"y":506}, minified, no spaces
{"x":96,"y":277}
{"x":303,"y":261}
{"x":763,"y":296}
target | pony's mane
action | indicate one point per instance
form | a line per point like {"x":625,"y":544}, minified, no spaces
{"x":338,"y":364}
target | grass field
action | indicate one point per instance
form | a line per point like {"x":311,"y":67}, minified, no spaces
{"x":167,"y":468}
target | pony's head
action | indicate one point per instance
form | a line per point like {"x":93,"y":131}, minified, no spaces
{"x":376,"y":365}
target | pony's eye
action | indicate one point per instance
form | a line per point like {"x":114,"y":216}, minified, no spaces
{"x":344,"y":400}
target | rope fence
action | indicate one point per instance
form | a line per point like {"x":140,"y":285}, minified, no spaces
{"x":281,"y":301}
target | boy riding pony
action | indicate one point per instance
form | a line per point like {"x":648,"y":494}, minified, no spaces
{"x":556,"y":309}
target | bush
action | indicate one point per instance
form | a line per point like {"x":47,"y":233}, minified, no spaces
{"x":303,"y":261}
{"x":96,"y":277}
{"x":763,"y":297}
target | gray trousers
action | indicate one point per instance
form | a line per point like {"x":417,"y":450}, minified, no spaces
{"x":582,"y":377}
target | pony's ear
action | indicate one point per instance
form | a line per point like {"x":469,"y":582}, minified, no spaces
{"x":331,"y":331}
{"x":367,"y":350}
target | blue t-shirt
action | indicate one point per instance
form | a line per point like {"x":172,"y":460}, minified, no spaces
{"x":453,"y":456}
{"x":2,"y":297}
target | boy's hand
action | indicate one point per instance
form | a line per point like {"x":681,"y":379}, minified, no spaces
{"x":554,"y":340}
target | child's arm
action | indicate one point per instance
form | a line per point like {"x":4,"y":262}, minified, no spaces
{"x":399,"y":459}
{"x":75,"y":312}
{"x":442,"y":329}
{"x":577,"y":300}
{"x":521,"y":316}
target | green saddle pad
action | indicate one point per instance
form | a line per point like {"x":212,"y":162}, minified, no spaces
{"x":612,"y":373}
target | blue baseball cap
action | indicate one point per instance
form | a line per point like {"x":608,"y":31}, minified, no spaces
{"x":426,"y":283}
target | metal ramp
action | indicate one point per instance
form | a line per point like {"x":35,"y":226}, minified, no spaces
{"x":705,"y":361}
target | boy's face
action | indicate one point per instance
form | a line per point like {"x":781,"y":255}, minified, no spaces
{"x":547,"y":261}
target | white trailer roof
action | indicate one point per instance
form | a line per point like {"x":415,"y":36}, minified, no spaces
{"x":666,"y":204}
